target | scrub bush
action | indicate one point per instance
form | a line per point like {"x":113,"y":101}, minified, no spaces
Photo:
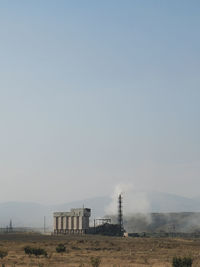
{"x":182,"y":262}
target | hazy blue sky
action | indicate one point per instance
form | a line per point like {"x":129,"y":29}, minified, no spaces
{"x":96,"y":93}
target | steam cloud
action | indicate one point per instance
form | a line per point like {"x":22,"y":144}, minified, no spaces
{"x":133,"y":202}
{"x":138,"y":216}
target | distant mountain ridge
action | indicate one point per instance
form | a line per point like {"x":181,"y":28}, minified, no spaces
{"x":32,"y":214}
{"x":165,"y":202}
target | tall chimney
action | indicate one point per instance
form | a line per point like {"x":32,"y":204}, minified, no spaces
{"x":120,"y":215}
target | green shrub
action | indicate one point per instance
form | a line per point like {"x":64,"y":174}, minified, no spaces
{"x":28,"y":250}
{"x":61,"y":248}
{"x":39,"y":252}
{"x":95,"y":261}
{"x":3,"y":254}
{"x":182,"y":262}
{"x":35,"y":251}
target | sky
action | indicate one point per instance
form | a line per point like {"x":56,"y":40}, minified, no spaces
{"x":97,"y":93}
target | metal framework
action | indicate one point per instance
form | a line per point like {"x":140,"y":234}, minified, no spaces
{"x":120,"y":214}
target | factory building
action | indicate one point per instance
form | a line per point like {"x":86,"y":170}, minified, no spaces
{"x":74,"y":222}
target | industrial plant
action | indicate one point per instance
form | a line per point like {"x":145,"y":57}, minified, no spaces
{"x":76,"y":221}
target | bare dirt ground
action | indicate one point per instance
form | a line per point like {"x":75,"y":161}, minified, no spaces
{"x":113,"y":251}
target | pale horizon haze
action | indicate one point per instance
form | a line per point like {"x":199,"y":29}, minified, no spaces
{"x":98,"y":93}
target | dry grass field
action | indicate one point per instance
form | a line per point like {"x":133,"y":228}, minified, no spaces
{"x":113,"y":251}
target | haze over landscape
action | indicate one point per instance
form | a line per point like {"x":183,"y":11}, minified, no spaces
{"x":97,"y":94}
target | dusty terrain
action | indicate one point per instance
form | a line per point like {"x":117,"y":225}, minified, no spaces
{"x":113,"y":251}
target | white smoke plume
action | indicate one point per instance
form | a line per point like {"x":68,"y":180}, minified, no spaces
{"x":133,"y":201}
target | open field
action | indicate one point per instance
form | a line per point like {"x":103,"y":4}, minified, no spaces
{"x":113,"y":251}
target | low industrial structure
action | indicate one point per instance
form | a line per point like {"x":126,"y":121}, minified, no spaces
{"x":74,"y":222}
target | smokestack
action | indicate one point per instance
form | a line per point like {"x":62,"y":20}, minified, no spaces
{"x":120,"y":215}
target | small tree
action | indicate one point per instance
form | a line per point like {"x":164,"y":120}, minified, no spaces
{"x":182,"y":262}
{"x":61,"y":248}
